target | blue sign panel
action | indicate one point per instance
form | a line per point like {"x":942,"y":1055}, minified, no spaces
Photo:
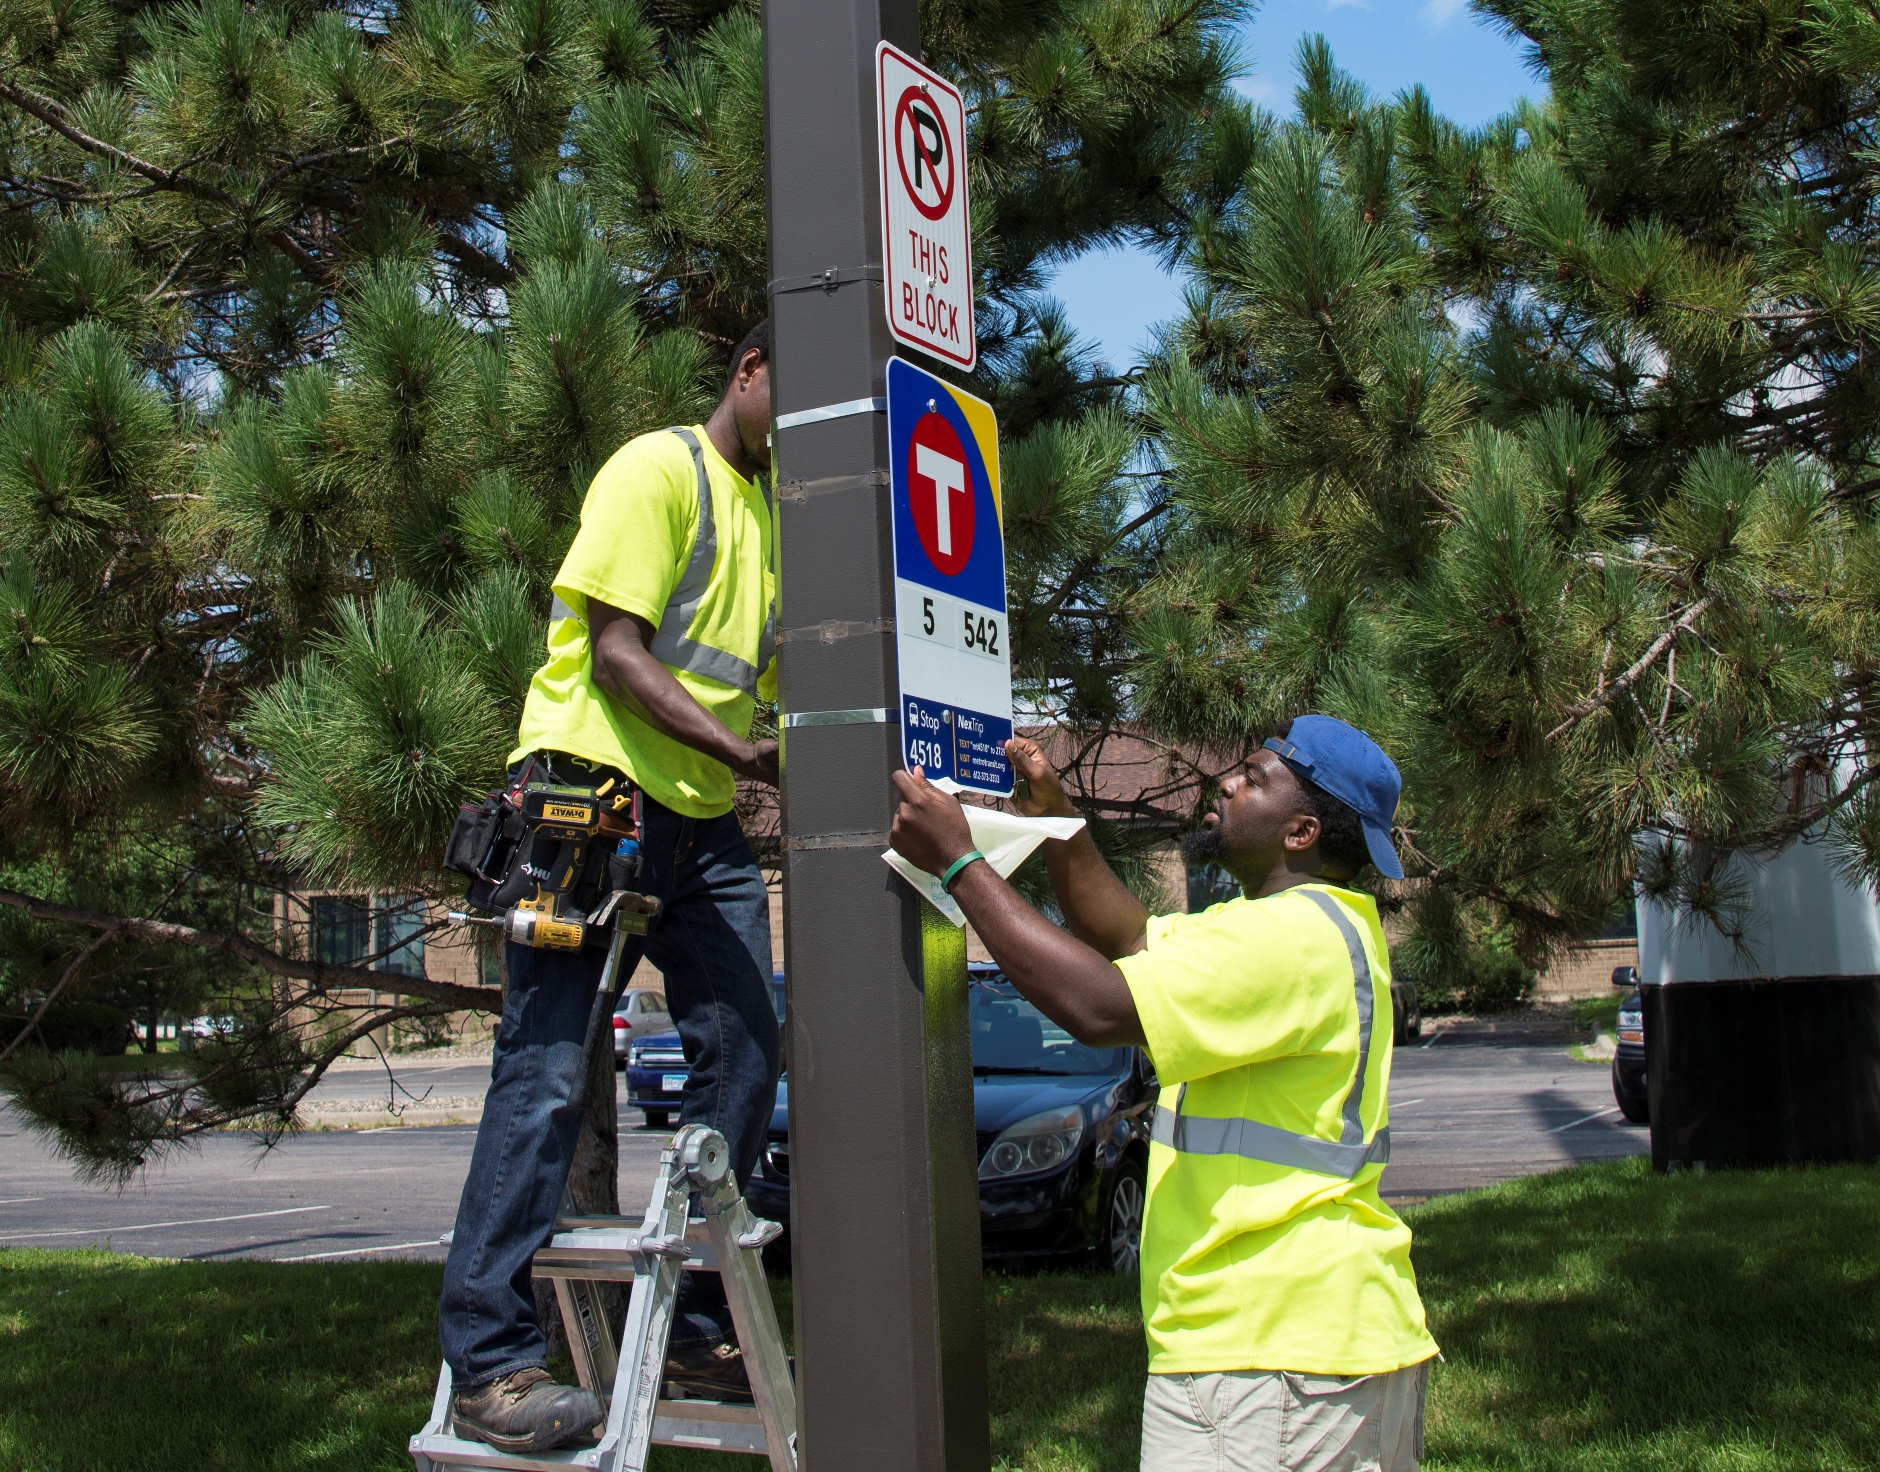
{"x":949,"y":580}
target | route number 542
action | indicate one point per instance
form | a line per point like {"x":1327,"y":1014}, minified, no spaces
{"x":978,"y":632}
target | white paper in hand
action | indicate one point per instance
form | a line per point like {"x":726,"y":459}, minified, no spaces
{"x":1006,"y":840}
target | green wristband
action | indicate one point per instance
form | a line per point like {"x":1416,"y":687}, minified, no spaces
{"x":946,"y":879}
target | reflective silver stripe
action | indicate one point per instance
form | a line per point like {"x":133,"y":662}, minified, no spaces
{"x":683,"y":605}
{"x":1361,"y":970}
{"x":1346,"y":1156}
{"x":701,"y":659}
{"x":767,"y":641}
{"x":1193,"y":1135}
{"x":671,"y":646}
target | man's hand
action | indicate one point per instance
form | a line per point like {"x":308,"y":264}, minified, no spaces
{"x":1047,"y":799}
{"x":1066,"y":978}
{"x":930,"y":829}
{"x":759,"y":763}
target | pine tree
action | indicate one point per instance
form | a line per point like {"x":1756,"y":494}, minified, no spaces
{"x":1547,"y":451}
{"x":314,"y":323}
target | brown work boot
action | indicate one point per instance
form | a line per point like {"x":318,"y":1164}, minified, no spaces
{"x":526,"y":1412}
{"x":709,"y":1372}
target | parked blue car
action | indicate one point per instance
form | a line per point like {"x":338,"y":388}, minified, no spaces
{"x":1063,"y":1134}
{"x":656,"y":1069}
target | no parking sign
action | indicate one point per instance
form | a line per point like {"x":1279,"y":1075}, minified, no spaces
{"x":926,"y":241}
{"x":951,"y":634}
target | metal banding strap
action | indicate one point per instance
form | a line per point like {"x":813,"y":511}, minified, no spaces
{"x":878,"y":716}
{"x":828,"y":281}
{"x":798,"y":491}
{"x":1346,"y":1156}
{"x":832,"y":411}
{"x":855,"y":838}
{"x":671,"y":646}
{"x":832,"y":630}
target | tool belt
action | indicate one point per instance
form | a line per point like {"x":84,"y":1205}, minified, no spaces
{"x":556,"y":862}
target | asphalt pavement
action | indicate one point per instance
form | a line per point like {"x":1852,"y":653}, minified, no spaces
{"x":314,"y":1195}
{"x":1470,"y":1108}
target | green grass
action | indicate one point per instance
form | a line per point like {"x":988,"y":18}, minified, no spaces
{"x":1609,"y":1318}
{"x":1599,"y":1011}
{"x":1597,"y":1319}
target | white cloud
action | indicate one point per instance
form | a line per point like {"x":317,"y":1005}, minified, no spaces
{"x":1341,"y":4}
{"x":1439,"y":13}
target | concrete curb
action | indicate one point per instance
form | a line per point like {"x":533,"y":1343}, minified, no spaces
{"x":409,"y":1118}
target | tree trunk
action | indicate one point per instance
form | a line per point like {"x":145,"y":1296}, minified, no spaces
{"x":594,"y":1179}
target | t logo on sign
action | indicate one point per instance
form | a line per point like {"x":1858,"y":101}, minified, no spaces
{"x":942,"y":500}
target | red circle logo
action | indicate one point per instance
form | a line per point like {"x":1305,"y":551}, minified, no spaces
{"x":941,"y":493}
{"x":925,"y":153}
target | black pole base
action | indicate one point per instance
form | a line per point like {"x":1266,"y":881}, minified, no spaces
{"x":1761,"y":1073}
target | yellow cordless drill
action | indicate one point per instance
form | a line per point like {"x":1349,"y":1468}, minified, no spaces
{"x":555,"y":865}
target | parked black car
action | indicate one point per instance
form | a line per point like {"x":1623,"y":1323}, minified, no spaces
{"x":656,"y":1067}
{"x":1628,"y":1061}
{"x":1063,"y":1135}
{"x":1405,"y":1008}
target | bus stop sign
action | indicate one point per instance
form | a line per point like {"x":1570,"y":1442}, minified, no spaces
{"x":950,"y":629}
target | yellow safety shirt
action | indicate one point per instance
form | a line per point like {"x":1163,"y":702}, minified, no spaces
{"x":672,"y":533}
{"x":1265,"y":1245}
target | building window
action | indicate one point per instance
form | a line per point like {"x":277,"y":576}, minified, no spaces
{"x":341,"y":929}
{"x":398,"y":934}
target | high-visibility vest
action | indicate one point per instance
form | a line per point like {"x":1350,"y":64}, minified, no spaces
{"x":1188,"y":1134}
{"x":695,"y":638}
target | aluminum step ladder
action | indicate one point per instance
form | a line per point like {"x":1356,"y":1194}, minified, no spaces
{"x":589,"y":1250}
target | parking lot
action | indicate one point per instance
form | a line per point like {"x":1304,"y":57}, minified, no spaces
{"x":1470,"y":1108}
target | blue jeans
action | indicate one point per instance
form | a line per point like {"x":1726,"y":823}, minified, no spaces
{"x":711,"y":939}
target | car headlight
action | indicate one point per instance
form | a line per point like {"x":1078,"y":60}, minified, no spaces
{"x":1042,"y":1142}
{"x":633,"y":1054}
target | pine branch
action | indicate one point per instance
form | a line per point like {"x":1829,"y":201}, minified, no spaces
{"x":479,"y":261}
{"x":317,"y":974}
{"x":1088,"y":565}
{"x":364,"y":1028}
{"x":1579,"y":710}
{"x":310,"y":160}
{"x":53,"y":116}
{"x":65,"y":979}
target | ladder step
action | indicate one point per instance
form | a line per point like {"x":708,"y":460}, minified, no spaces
{"x":600,"y":1251}
{"x":448,"y":1453}
{"x":704,"y":1425}
{"x":708,"y":1425}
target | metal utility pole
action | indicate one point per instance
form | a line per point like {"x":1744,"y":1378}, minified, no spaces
{"x":890,"y":1338}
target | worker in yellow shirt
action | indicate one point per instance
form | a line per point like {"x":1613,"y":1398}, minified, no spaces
{"x":1283,"y":1320}
{"x":660,"y":641}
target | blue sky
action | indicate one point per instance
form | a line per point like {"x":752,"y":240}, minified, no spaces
{"x":1471,"y":71}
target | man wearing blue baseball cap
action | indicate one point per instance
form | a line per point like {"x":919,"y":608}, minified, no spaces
{"x":1284,"y":1325}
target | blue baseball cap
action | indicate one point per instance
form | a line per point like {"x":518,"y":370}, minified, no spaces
{"x":1343,"y":761}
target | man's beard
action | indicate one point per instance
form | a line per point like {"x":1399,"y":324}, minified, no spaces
{"x":1201,"y":846}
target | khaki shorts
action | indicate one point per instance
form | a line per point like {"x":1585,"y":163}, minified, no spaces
{"x":1279,"y":1421}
